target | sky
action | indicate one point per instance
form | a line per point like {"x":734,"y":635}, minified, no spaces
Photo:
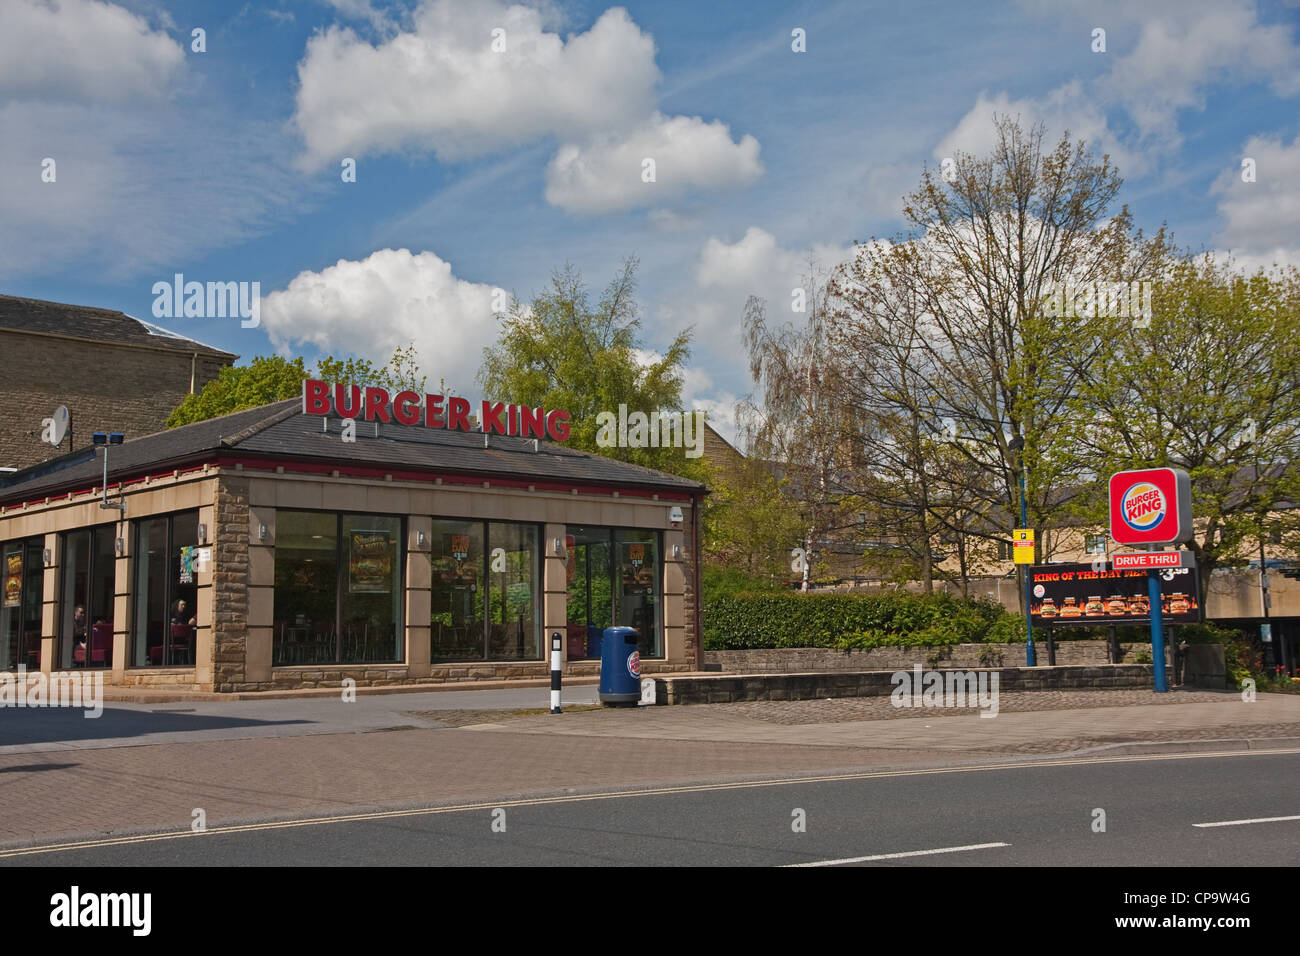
{"x":495,"y":143}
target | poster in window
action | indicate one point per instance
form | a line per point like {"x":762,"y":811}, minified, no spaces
{"x":370,"y":562}
{"x":637,"y":575}
{"x":13,"y":578}
{"x":189,"y":560}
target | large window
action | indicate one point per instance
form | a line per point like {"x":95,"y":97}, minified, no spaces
{"x":166,"y":593}
{"x":86,"y":627}
{"x":613,"y":579}
{"x":20,"y":607}
{"x":338,"y":588}
{"x":485,"y":586}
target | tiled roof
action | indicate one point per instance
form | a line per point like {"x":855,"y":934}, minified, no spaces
{"x":281,"y":430}
{"x":101,"y":325}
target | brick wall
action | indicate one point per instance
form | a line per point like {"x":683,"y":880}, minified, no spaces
{"x":106,"y":388}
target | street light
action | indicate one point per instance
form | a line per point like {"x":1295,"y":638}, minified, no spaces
{"x":106,"y":439}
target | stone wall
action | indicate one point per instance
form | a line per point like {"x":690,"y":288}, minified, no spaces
{"x":106,"y":387}
{"x":712,"y":689}
{"x":829,"y":659}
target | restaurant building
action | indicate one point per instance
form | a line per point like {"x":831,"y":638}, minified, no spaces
{"x":283,"y":547}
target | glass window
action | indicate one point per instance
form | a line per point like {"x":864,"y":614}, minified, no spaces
{"x":166,"y":593}
{"x":1095,"y":544}
{"x":89,"y":583}
{"x":337,"y":589}
{"x":613,"y":578}
{"x":486,"y":582}
{"x":513,"y":632}
{"x":457,"y":620}
{"x":20,"y":608}
{"x":371,"y":589}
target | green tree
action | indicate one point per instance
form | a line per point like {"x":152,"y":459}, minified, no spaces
{"x":752,"y":523}
{"x":1209,"y":385}
{"x":272,"y":378}
{"x":560,"y":351}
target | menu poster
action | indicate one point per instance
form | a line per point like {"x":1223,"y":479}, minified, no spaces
{"x":13,"y":579}
{"x":370,"y":562}
{"x":1076,"y":594}
{"x":637,"y":576}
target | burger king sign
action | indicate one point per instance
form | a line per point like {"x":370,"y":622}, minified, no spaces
{"x":1151,"y":506}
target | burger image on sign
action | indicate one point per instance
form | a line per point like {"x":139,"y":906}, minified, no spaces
{"x":1152,"y":506}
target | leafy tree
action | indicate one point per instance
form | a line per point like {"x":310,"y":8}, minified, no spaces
{"x":1210,"y":385}
{"x":560,"y":351}
{"x":272,"y":378}
{"x":752,"y":523}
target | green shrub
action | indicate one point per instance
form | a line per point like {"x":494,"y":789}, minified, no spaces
{"x":790,"y":619}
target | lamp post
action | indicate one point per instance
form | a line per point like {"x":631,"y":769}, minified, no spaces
{"x":1017,"y":444}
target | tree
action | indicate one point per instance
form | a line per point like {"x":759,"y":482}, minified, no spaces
{"x":752,"y":524}
{"x":939,"y":368}
{"x":273,"y":378}
{"x":1211,"y":385}
{"x":560,"y":351}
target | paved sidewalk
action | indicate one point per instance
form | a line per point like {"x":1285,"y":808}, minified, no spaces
{"x":933,"y":729}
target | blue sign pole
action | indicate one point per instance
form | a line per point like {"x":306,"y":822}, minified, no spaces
{"x":1157,"y":631}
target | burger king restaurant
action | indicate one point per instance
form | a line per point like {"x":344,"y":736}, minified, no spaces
{"x":344,"y":535}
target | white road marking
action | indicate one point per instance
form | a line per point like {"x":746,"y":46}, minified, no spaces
{"x":1237,"y":823}
{"x":899,"y":856}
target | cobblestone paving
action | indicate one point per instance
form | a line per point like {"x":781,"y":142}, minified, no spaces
{"x":1066,"y":744}
{"x":843,"y":709}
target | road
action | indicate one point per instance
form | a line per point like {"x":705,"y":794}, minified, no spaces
{"x":1154,"y":808}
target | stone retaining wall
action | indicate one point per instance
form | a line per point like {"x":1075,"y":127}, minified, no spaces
{"x":725,"y":688}
{"x":829,"y":659}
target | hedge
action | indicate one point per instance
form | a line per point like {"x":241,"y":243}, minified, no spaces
{"x":854,"y":620}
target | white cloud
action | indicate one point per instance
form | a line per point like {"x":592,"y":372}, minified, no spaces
{"x":1261,"y":216}
{"x":385,"y":301}
{"x":441,"y":87}
{"x":1068,"y":107}
{"x":82,"y":50}
{"x":606,"y":174}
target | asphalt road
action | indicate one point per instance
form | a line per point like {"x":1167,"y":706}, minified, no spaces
{"x":1041,"y":815}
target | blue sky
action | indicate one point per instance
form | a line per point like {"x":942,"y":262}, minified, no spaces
{"x":491,"y":168}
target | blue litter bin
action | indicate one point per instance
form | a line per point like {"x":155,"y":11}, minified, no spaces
{"x":620,"y":667}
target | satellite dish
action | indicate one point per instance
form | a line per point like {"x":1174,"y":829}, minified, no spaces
{"x":56,"y":426}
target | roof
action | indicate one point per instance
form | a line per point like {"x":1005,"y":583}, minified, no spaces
{"x":282,"y":432}
{"x":99,"y":325}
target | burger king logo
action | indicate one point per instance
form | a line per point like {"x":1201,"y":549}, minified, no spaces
{"x":1143,"y":506}
{"x":634,"y":663}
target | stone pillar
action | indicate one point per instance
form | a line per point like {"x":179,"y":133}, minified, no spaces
{"x":50,"y":604}
{"x":555,"y":589}
{"x":121,"y":603}
{"x":674,"y":589}
{"x":419,"y":601}
{"x":261,"y":594}
{"x":222,"y":647}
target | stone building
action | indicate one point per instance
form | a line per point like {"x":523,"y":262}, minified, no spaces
{"x":264,"y":549}
{"x":113,"y":372}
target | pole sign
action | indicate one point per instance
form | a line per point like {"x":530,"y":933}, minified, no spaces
{"x":1151,"y":506}
{"x":1022,"y":545}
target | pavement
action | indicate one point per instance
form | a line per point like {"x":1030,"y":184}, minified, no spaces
{"x":138,"y":770}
